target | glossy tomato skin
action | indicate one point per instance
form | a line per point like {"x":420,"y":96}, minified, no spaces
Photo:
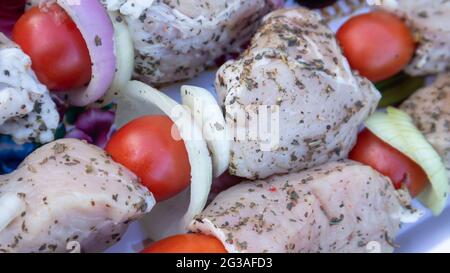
{"x":372,"y":151}
{"x":377,"y":44}
{"x":187,"y":243}
{"x":60,"y":57}
{"x":146,"y":147}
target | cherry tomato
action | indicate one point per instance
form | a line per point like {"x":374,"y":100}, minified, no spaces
{"x":377,"y":44}
{"x":402,"y":171}
{"x":146,"y":147}
{"x":60,"y":57}
{"x":187,"y":243}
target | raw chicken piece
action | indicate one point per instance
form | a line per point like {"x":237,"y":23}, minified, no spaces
{"x":69,"y":190}
{"x":27,"y":111}
{"x":294,"y":62}
{"x":430,"y":22}
{"x":430,"y":109}
{"x":337,"y":207}
{"x":176,"y":40}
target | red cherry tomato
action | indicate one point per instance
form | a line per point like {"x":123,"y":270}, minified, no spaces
{"x":60,"y":57}
{"x":187,"y":243}
{"x":146,"y":147}
{"x":377,"y":44}
{"x":371,"y":150}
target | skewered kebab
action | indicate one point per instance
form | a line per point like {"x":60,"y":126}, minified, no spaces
{"x":237,"y":218}
{"x":176,"y":40}
{"x":103,"y":44}
{"x":128,"y":109}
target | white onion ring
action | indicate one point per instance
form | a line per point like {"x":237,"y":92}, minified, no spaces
{"x":208,"y":115}
{"x":97,"y":30}
{"x":173,"y":215}
{"x":11,"y":206}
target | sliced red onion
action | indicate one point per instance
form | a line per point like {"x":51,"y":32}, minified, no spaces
{"x":94,"y":121}
{"x":96,"y":28}
{"x":61,"y":105}
{"x":102,"y":139}
{"x":78,"y":134}
{"x":10,"y":11}
{"x":96,"y":124}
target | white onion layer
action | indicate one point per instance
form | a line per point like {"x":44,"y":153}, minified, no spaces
{"x":397,"y":129}
{"x":124,"y":52}
{"x":173,"y":215}
{"x":11,"y":206}
{"x":209,"y":116}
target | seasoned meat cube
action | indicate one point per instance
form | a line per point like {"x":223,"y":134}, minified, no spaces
{"x":66,"y":191}
{"x":430,"y":109}
{"x":27,"y":112}
{"x":175,"y":40}
{"x":430,"y":22}
{"x":295,"y":63}
{"x":337,"y":207}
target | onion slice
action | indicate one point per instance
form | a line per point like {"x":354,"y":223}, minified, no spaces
{"x":10,"y":12}
{"x":173,"y":215}
{"x":396,"y":128}
{"x":11,"y":206}
{"x":208,"y":115}
{"x":124,"y":51}
{"x":97,"y":30}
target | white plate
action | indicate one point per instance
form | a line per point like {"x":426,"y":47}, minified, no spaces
{"x":429,"y":234}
